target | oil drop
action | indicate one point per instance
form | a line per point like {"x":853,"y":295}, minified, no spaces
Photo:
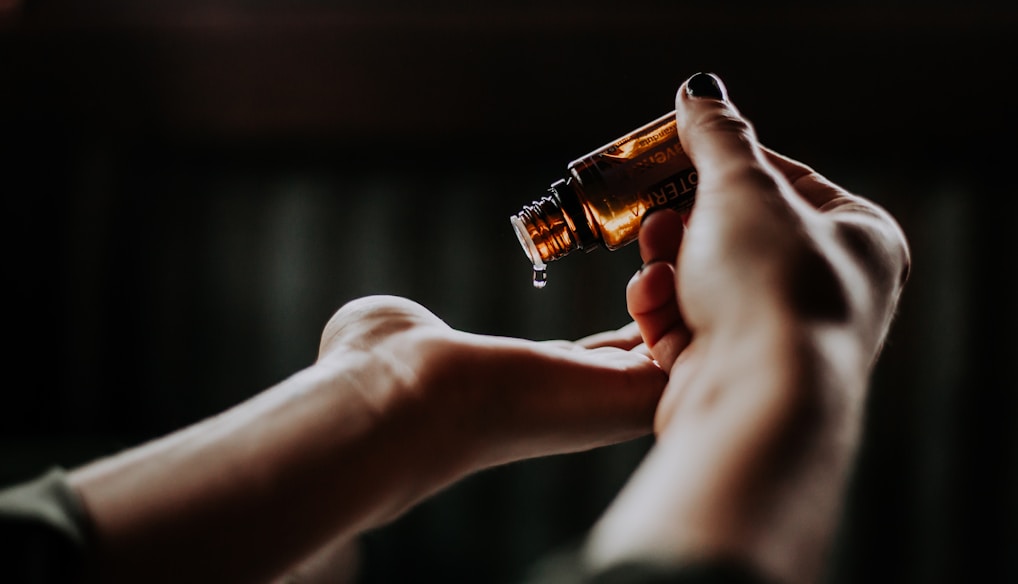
{"x":540,"y":277}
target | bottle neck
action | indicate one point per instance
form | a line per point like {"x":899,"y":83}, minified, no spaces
{"x":543,"y":232}
{"x":553,"y":226}
{"x":565,"y":192}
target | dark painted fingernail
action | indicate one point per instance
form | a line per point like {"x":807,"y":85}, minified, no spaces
{"x":705,"y":85}
{"x":648,"y":213}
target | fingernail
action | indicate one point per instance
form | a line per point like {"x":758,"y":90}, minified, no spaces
{"x":705,"y":85}
{"x":648,"y":213}
{"x":657,"y":209}
{"x":646,"y":265}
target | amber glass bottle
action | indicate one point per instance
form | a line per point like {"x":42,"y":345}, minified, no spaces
{"x":606,"y":194}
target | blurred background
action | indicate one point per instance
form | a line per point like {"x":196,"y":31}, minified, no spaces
{"x":191,"y":188}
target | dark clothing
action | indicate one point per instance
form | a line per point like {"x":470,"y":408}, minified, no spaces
{"x":43,"y":532}
{"x":45,"y":535}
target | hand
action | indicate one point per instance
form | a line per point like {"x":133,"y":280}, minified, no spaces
{"x":769,"y":236}
{"x":487,"y":400}
{"x":768,"y":307}
{"x":397,"y":406}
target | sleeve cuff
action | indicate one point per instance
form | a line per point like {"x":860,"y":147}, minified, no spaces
{"x":45,"y":530}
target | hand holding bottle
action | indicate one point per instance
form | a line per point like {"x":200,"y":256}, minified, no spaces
{"x":768,"y":307}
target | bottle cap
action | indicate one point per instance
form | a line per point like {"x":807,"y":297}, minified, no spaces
{"x":527,"y":242}
{"x":543,"y":231}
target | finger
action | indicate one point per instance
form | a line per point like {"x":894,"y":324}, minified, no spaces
{"x":718,"y":140}
{"x":736,"y":185}
{"x":627,"y":337}
{"x":540,"y":399}
{"x":600,"y":396}
{"x":651,"y":294}
{"x":660,"y":236}
{"x":811,"y":185}
{"x":866,"y":228}
{"x":652,"y":302}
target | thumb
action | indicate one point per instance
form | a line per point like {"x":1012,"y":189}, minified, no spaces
{"x":745,"y":209}
{"x":720,"y":142}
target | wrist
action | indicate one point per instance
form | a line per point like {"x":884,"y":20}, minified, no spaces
{"x":327,"y":453}
{"x":752,"y":454}
{"x":414,"y":441}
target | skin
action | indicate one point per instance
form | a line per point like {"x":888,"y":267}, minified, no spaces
{"x":397,"y":407}
{"x":769,"y":307}
{"x":756,"y":325}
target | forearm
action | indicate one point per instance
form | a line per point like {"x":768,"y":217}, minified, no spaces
{"x":398,"y":406}
{"x":751,"y":467}
{"x":306,"y":461}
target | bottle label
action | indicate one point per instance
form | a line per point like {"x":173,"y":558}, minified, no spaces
{"x":651,"y":165}
{"x":676,"y":191}
{"x":622,"y":180}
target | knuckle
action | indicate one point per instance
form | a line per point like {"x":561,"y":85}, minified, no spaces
{"x":881,"y":251}
{"x":369,"y":318}
{"x":727,"y":122}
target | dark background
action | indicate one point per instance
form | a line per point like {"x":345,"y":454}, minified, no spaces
{"x":191,"y":188}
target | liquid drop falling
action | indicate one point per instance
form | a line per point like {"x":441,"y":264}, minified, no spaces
{"x":540,"y":277}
